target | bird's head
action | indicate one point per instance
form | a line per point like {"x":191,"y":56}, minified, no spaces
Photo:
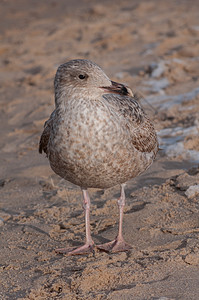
{"x":81,"y":77}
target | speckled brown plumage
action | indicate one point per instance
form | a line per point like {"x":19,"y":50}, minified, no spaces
{"x":98,"y":135}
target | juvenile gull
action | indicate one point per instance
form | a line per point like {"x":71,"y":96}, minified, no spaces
{"x":98,"y":136}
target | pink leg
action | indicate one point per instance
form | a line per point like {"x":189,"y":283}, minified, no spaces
{"x":89,"y":245}
{"x":118,"y":244}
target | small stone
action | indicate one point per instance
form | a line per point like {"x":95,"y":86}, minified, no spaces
{"x":192,"y":191}
{"x":192,"y":259}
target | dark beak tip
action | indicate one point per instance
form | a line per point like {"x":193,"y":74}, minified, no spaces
{"x":116,"y":88}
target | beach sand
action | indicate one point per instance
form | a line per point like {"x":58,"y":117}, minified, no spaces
{"x":152,"y":46}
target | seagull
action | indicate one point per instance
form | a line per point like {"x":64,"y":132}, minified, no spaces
{"x":98,"y":136}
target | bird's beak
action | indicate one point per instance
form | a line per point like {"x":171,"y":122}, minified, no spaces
{"x":118,"y":88}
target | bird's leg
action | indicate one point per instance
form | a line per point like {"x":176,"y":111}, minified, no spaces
{"x":89,"y":245}
{"x":86,"y":205}
{"x":118,"y":244}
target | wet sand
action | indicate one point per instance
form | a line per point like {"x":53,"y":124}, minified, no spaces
{"x":152,"y":46}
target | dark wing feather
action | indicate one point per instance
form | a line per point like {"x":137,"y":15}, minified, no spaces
{"x":144,"y":137}
{"x":141,"y":129}
{"x":43,"y":143}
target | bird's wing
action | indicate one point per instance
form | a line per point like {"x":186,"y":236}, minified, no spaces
{"x":144,"y":137}
{"x":43,"y":143}
{"x":139,"y":126}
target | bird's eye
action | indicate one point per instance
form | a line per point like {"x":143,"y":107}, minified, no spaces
{"x":81,"y":76}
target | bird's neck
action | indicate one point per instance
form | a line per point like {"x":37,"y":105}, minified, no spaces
{"x":68,"y":98}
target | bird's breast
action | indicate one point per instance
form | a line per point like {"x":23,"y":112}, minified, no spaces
{"x":85,"y":131}
{"x":90,"y":146}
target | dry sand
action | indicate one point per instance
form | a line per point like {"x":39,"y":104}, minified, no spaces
{"x":153,"y":47}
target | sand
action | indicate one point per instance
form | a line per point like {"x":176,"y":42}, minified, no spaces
{"x":152,"y":46}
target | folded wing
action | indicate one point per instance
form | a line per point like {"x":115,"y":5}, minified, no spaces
{"x":141,"y":129}
{"x":43,"y":143}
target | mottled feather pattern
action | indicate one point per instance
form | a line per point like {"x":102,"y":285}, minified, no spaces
{"x":98,"y":135}
{"x":44,"y":140}
{"x":140,"y":127}
{"x":144,"y":137}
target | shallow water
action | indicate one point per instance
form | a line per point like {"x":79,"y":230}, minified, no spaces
{"x":172,"y":139}
{"x":163,"y":102}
